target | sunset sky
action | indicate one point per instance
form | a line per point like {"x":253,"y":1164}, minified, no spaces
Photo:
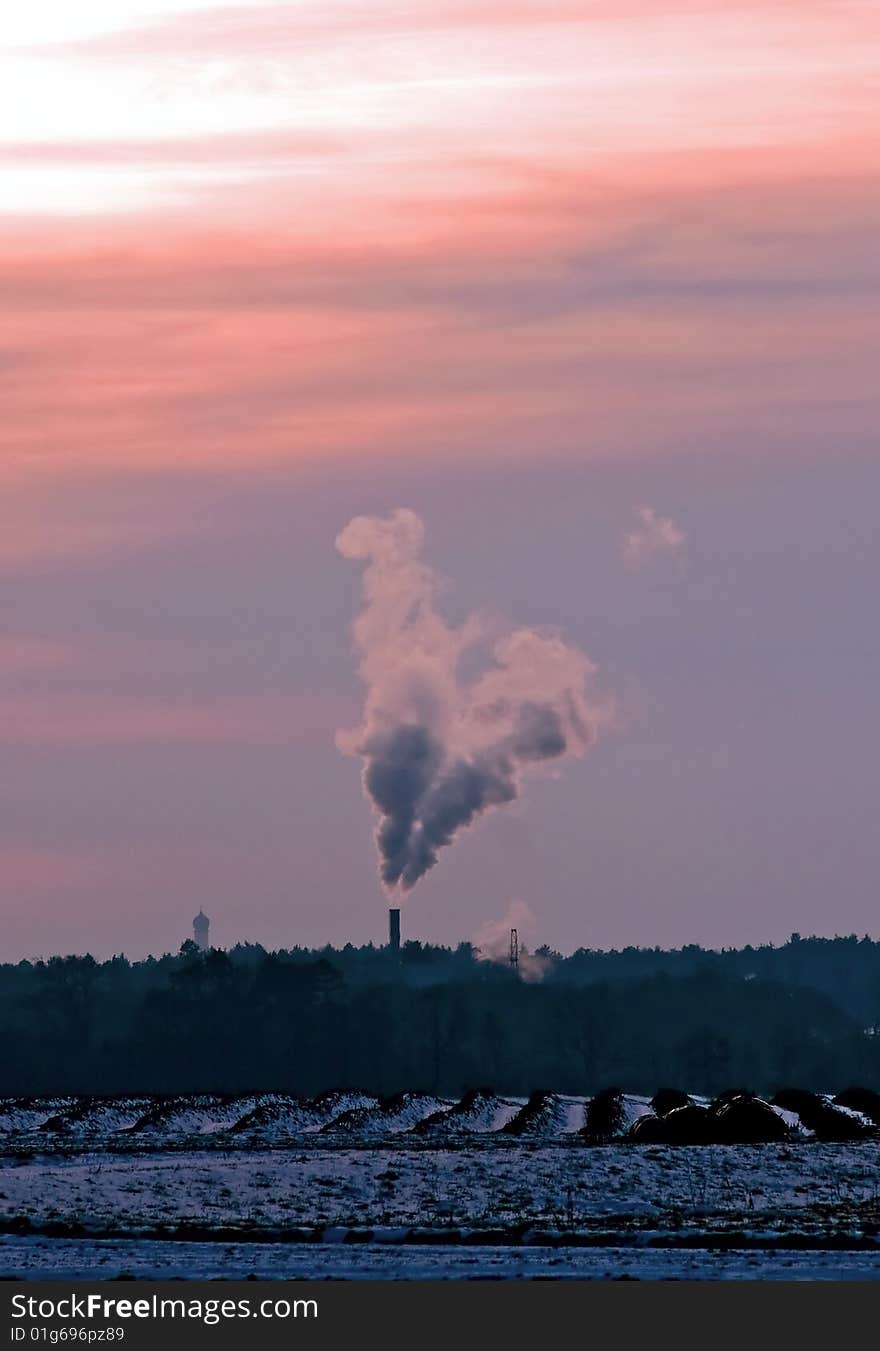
{"x":593,"y":287}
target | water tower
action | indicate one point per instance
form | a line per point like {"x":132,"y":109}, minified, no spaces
{"x":201,"y":924}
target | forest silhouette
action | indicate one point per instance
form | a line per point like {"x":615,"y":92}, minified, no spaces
{"x":443,"y":1021}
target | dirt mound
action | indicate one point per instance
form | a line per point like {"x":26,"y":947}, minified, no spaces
{"x":685,"y":1125}
{"x":865,"y":1101}
{"x":667,"y":1100}
{"x":688,"y":1125}
{"x":647,"y":1130}
{"x":279,"y":1116}
{"x":543,"y":1117}
{"x":199,"y":1114}
{"x":605,"y":1117}
{"x":479,"y":1112}
{"x":734,"y":1118}
{"x":390,"y":1116}
{"x":829,"y":1123}
{"x":97,"y":1118}
{"x":746,"y":1120}
{"x":19,"y":1116}
{"x":282,"y":1117}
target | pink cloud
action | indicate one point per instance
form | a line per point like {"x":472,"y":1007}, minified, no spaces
{"x":233,"y":149}
{"x":583,"y":319}
{"x":578,"y":230}
{"x":655,"y":537}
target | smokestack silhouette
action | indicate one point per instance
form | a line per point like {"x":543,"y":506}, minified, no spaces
{"x":438,"y":751}
{"x":394,"y":931}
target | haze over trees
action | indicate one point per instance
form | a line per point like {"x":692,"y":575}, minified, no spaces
{"x":441,"y":1020}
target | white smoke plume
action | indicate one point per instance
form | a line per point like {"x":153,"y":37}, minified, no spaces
{"x":492,"y":941}
{"x":440,"y":751}
{"x":654,"y":537}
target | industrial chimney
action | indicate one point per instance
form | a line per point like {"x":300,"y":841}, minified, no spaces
{"x":394,"y":931}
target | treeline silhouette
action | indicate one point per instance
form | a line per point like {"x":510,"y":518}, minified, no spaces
{"x":442,"y":1021}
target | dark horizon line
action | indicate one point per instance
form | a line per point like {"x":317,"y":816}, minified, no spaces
{"x":794,"y":939}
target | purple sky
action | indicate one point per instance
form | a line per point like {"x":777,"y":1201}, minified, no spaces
{"x":530,"y":271}
{"x":734,"y":801}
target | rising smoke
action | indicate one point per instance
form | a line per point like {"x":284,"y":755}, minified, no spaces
{"x":491,"y":942}
{"x":439,"y":750}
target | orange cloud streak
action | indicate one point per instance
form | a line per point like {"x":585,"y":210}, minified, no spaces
{"x":209,"y":350}
{"x":618,"y":219}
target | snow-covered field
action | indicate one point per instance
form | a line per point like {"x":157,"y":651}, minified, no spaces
{"x":513,"y":1187}
{"x":517,"y":1209}
{"x":346,"y":1185}
{"x":77,"y":1259}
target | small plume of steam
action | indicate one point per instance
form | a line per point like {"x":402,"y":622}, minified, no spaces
{"x":440,"y":751}
{"x":654,"y":537}
{"x":492,"y":941}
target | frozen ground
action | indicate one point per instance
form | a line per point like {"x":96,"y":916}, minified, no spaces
{"x":415,"y":1186}
{"x":508,"y":1185}
{"x":105,"y":1259}
{"x":472,"y":1208}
